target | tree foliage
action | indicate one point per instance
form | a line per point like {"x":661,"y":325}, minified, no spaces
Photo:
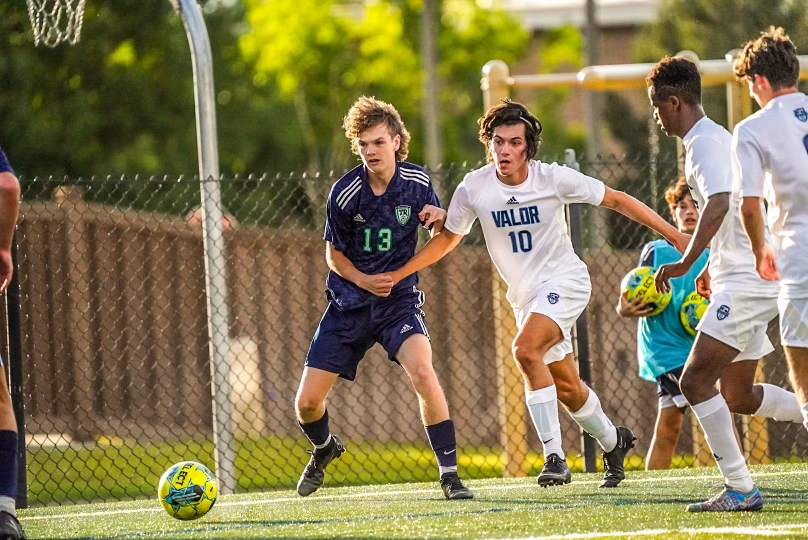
{"x":322,"y":55}
{"x":121,"y":101}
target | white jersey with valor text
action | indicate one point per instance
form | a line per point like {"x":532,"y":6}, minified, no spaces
{"x":524,"y":225}
{"x":708,"y":169}
{"x":770,"y":158}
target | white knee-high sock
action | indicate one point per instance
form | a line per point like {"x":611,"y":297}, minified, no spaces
{"x":543,"y":407}
{"x":595,"y":422}
{"x":716,"y":422}
{"x":779,"y":404}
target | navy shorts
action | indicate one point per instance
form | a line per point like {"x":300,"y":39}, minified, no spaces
{"x":668,"y":385}
{"x":343,"y":337}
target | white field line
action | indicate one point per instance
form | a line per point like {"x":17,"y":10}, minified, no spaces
{"x":376,"y":494}
{"x":786,"y":529}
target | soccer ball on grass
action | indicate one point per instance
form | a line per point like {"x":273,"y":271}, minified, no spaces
{"x":187,"y":490}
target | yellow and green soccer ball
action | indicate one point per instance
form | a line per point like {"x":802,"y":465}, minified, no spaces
{"x":187,"y":490}
{"x":693,"y":308}
{"x":639,"y":283}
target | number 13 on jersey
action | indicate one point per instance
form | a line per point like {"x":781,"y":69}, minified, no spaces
{"x":384,"y":237}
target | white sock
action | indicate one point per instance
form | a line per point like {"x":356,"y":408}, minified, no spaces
{"x":716,"y":422}
{"x":805,"y":416}
{"x":779,"y":404}
{"x":595,"y":422}
{"x":446,"y":470}
{"x":543,"y":407}
{"x":7,"y":504}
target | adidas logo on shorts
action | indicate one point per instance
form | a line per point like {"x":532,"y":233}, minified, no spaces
{"x":405,"y":328}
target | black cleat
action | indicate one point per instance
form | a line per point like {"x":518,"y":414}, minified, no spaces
{"x":10,"y":528}
{"x":314,"y":474}
{"x":555,"y":472}
{"x":453,"y":487}
{"x":613,"y":472}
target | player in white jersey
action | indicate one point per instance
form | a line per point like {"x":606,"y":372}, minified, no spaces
{"x":731,"y":336}
{"x":520,"y":204}
{"x":770,"y":158}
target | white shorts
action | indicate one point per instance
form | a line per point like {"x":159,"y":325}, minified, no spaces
{"x":740,"y":321}
{"x":667,"y":401}
{"x":793,"y":321}
{"x":562,"y":299}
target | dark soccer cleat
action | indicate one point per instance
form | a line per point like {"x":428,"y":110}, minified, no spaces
{"x":314,"y":474}
{"x":730,"y":501}
{"x":613,"y":472}
{"x":555,"y":472}
{"x":453,"y":487}
{"x":10,"y":528}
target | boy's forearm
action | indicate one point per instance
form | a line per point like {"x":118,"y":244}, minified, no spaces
{"x":434,"y":250}
{"x":9,"y":208}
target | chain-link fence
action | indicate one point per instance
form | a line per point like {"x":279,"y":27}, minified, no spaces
{"x":115,"y":361}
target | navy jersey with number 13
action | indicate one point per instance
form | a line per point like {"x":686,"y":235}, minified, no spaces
{"x":377,"y":234}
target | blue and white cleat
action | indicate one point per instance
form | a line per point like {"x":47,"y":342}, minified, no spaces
{"x":730,"y":501}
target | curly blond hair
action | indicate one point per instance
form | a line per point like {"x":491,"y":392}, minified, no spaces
{"x":368,"y":112}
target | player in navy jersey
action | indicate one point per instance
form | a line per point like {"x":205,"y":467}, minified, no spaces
{"x":9,"y":208}
{"x":373,"y":216}
{"x":662,"y":342}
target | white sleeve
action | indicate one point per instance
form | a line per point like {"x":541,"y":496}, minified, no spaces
{"x":575,"y":187}
{"x":460,"y":216}
{"x":712,"y":167}
{"x":748,"y":173}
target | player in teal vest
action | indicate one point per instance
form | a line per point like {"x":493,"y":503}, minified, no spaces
{"x":662,"y":342}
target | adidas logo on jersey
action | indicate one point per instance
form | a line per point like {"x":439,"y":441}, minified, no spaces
{"x":512,"y":200}
{"x":405,"y":328}
{"x":358,"y":218}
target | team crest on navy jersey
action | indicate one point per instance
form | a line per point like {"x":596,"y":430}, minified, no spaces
{"x":723,"y":312}
{"x":553,"y":298}
{"x":403,"y":214}
{"x":801,"y":115}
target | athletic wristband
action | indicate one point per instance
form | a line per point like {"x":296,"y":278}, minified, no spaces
{"x":5,"y":166}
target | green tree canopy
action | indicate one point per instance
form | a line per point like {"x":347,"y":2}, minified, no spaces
{"x":321,"y":55}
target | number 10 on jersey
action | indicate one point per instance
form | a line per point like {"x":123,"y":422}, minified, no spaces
{"x":521,"y":241}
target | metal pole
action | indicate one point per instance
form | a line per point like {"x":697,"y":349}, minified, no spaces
{"x":510,"y":385}
{"x":495,"y":83}
{"x":580,"y":332}
{"x":213,"y":242}
{"x":13,"y":321}
{"x":430,"y":19}
{"x":592,"y":99}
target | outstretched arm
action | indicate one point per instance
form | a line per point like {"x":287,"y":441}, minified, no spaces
{"x":752,"y":219}
{"x":710,"y":219}
{"x":639,"y":212}
{"x":380,"y":285}
{"x":9,"y":209}
{"x":434,"y":250}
